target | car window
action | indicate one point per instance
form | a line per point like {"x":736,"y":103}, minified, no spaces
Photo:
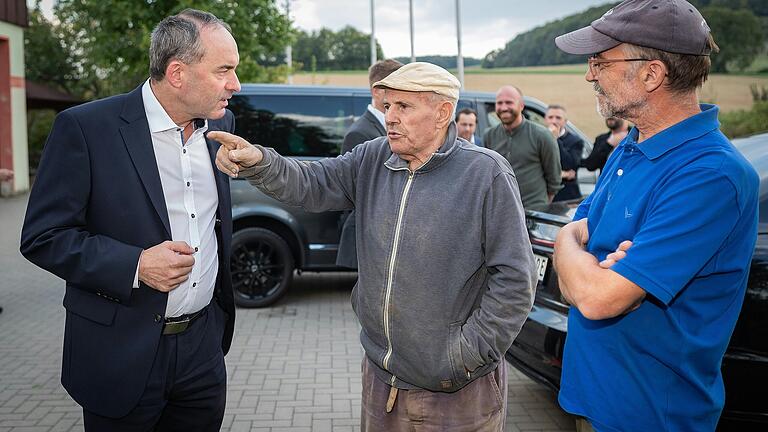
{"x":294,"y":125}
{"x":361,"y":104}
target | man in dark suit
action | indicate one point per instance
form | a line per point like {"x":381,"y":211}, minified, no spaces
{"x":368,"y":126}
{"x":130,"y":211}
{"x":466,"y":126}
{"x":570,"y":147}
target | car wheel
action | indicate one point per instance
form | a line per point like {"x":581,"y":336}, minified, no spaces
{"x":261,"y":265}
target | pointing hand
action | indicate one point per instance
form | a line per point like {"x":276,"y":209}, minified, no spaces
{"x":235,"y":153}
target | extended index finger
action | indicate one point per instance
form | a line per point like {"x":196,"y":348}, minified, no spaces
{"x":226,"y":139}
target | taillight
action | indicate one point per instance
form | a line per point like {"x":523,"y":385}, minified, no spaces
{"x":542,"y":233}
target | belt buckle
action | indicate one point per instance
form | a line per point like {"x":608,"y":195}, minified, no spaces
{"x":172,"y":328}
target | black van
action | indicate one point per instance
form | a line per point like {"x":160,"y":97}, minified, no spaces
{"x":272,"y":240}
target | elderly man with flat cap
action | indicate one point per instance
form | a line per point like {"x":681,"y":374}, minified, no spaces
{"x":655,"y":266}
{"x":443,"y":287}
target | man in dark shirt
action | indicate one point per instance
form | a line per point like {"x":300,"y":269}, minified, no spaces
{"x":605,"y":143}
{"x":527,"y":146}
{"x":570,"y":147}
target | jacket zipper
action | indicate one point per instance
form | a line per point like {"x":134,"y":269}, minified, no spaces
{"x":391,"y":272}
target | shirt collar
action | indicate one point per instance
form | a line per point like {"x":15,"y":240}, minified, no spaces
{"x":158,"y":119}
{"x":378,"y":114}
{"x":677,"y":134}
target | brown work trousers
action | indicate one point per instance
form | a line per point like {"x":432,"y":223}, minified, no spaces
{"x":481,"y":406}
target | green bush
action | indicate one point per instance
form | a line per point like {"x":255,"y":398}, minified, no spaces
{"x":745,"y":122}
{"x":39,"y":122}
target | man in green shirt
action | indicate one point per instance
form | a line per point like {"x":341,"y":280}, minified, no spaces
{"x":529,"y":148}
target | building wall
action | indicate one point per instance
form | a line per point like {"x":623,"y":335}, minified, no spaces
{"x":13,"y":36}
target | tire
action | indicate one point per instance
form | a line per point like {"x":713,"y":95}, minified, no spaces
{"x":262,"y":267}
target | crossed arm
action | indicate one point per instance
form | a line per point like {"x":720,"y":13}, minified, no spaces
{"x":591,"y":286}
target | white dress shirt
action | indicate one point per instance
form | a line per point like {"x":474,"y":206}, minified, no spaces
{"x":189,"y":188}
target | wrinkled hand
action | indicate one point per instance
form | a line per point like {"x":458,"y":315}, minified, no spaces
{"x":167,"y":265}
{"x":614,"y":257}
{"x":235,"y":153}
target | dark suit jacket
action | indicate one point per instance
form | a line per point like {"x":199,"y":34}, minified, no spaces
{"x":97,"y":202}
{"x":571,"y":147}
{"x":365,"y":128}
{"x":599,"y":154}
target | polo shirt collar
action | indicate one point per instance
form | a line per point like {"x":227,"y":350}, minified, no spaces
{"x":677,"y":134}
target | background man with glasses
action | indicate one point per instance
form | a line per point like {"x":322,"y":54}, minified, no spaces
{"x":655,"y":264}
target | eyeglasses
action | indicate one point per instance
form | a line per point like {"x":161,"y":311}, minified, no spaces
{"x":596,"y":64}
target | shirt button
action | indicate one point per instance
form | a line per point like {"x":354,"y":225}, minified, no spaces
{"x":184,"y":151}
{"x":187,"y":184}
{"x":196,"y":249}
{"x":193,"y":215}
{"x":619,"y":173}
{"x":158,"y":318}
{"x":194,"y":284}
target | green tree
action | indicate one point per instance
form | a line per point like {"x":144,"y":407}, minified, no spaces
{"x":537,"y":46}
{"x":109,"y":40}
{"x":739,"y":35}
{"x":45,"y":58}
{"x":347,"y":49}
{"x":352,"y":49}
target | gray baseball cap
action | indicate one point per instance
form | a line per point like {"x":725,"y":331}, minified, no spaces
{"x":668,"y":25}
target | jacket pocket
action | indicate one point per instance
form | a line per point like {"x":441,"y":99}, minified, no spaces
{"x":471,"y":359}
{"x":90,"y":306}
{"x":460,"y":374}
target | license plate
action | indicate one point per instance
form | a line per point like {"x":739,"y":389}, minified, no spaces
{"x":541,"y":266}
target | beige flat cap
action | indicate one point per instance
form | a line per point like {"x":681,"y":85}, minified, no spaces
{"x":422,"y":77}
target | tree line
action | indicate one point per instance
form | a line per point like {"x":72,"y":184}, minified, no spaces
{"x":740,"y":28}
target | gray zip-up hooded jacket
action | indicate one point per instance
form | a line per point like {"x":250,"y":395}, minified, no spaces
{"x":446,"y":271}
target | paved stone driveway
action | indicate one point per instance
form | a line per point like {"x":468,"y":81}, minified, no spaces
{"x":293,"y":367}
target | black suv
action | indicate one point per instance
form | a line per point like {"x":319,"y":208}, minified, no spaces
{"x":271,"y":239}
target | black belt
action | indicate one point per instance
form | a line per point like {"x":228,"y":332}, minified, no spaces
{"x":175,"y":325}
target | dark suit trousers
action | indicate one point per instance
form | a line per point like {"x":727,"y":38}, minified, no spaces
{"x":186,"y":390}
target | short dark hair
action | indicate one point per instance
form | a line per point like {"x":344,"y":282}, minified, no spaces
{"x":685,"y":72}
{"x":466,"y":111}
{"x":381,"y":69}
{"x":556,"y":106}
{"x":178,"y":37}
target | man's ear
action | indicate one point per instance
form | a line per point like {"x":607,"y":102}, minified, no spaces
{"x":653,"y":75}
{"x":174,"y":73}
{"x":444,"y":114}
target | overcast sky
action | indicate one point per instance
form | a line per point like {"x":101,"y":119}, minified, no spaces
{"x":486,"y":24}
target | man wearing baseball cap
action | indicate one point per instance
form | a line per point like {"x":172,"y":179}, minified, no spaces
{"x":446,"y":271}
{"x":655,"y":265}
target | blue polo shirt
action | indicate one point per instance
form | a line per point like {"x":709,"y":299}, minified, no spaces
{"x":688,"y":200}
